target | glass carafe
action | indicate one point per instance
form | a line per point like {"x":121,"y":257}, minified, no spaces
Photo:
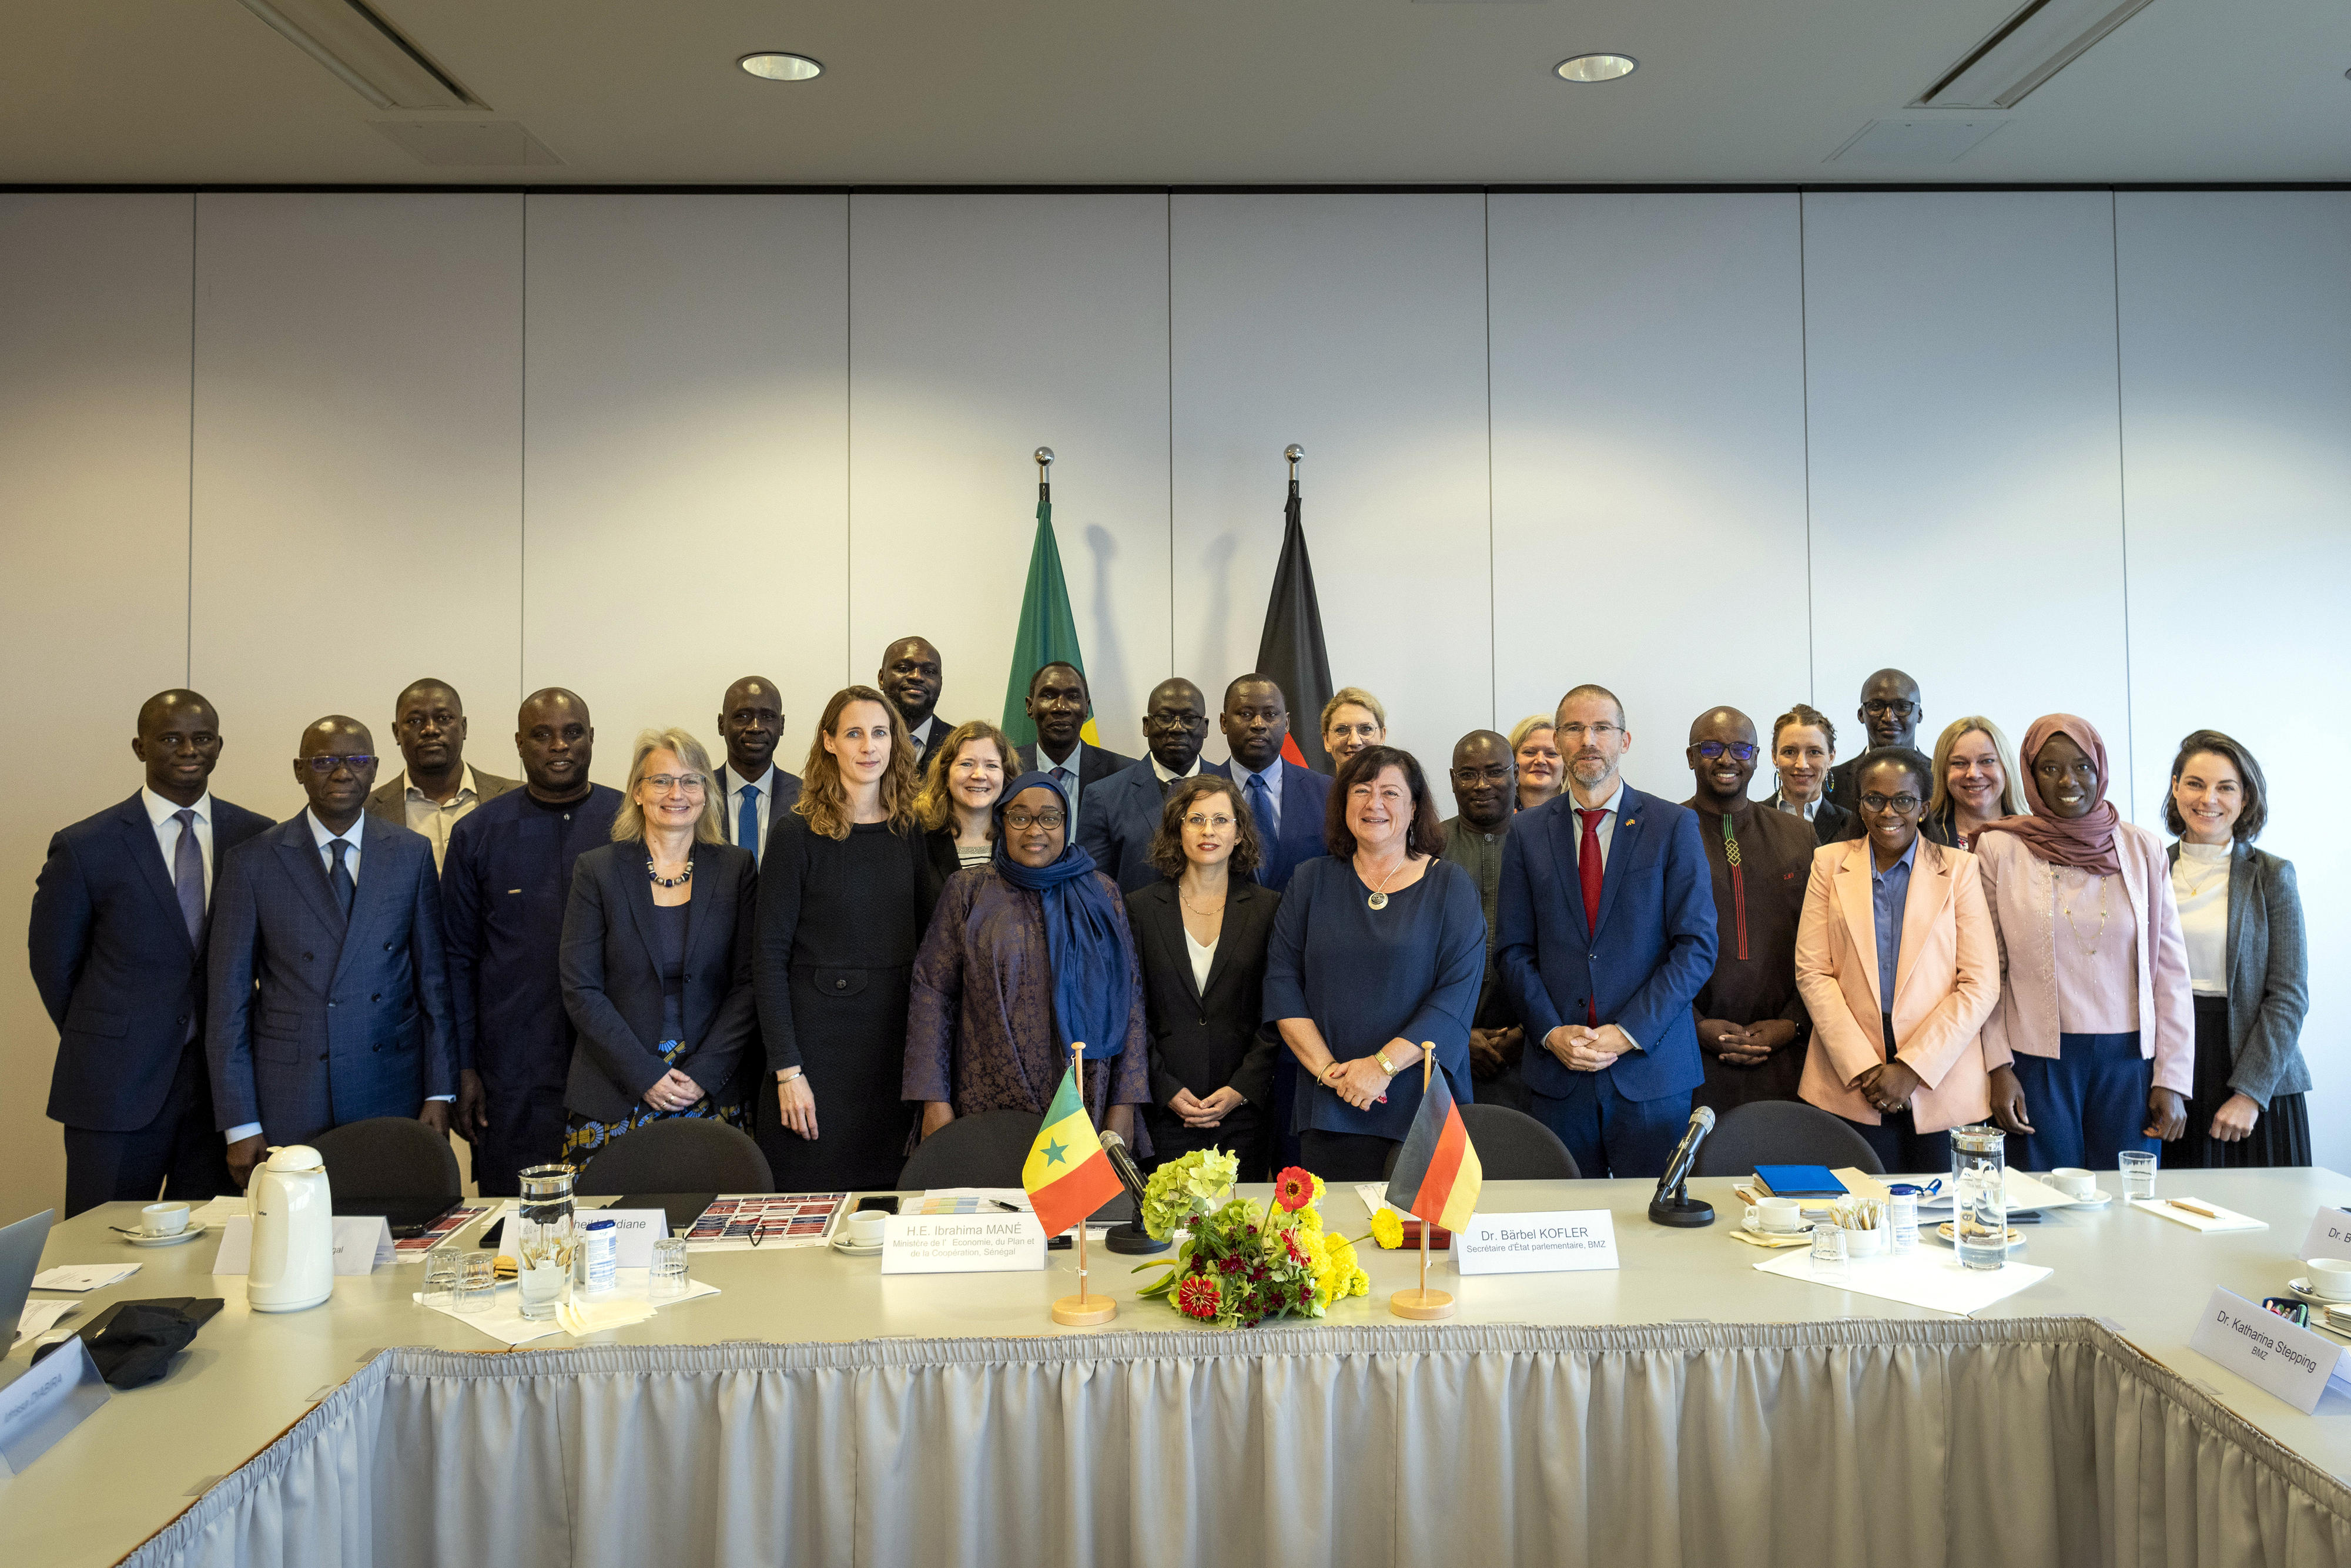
{"x":1980,"y":1195}
{"x":544,"y":1239}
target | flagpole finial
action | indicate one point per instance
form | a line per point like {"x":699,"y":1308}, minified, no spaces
{"x":1293,"y":451}
{"x":1044,"y":457}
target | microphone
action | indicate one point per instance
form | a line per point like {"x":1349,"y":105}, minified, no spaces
{"x":1672,"y":1205}
{"x":1130,"y":1238}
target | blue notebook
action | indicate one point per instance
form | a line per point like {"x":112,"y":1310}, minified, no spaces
{"x":1800,"y":1181}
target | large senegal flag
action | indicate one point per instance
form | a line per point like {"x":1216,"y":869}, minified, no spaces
{"x":1436,"y":1174}
{"x":1047,"y":632}
{"x":1067,"y":1176}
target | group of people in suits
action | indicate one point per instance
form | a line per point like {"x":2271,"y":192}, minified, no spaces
{"x":930,"y":921}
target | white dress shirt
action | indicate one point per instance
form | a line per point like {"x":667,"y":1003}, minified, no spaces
{"x":921,"y":733}
{"x":1069,"y":779}
{"x":162,"y":812}
{"x":2199,"y":883}
{"x":766,"y":785}
{"x":435,"y":818}
{"x":1166,"y":777}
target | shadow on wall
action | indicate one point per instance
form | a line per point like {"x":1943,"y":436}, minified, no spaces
{"x":1217,"y":564}
{"x":1105,"y":656}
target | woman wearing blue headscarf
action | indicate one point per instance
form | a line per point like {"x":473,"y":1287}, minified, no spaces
{"x":1024,"y":955}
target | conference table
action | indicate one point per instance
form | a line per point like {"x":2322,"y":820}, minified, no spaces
{"x":1682,"y":1406}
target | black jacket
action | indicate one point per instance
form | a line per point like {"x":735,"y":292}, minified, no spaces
{"x":1203,"y":1042}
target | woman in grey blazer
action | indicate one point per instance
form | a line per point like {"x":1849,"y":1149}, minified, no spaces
{"x":2242,"y":917}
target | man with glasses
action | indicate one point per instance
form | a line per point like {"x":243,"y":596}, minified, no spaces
{"x":1485,"y":794}
{"x":120,"y":921}
{"x":1607,"y":936}
{"x":1120,"y":817}
{"x":437,"y":790}
{"x":1891,"y":708}
{"x":1752,"y":1022}
{"x":329,"y":1002}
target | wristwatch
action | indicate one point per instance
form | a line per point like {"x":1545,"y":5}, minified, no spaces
{"x":1381,"y":1056}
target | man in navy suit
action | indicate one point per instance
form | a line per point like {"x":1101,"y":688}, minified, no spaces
{"x":1118,"y":820}
{"x":1286,"y":799}
{"x":1608,"y":933}
{"x":503,"y":889}
{"x":1060,"y":702}
{"x":118,"y":929}
{"x":750,"y":787}
{"x":329,"y":1002}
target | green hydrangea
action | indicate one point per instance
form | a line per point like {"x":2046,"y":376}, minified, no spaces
{"x":1184,"y":1188}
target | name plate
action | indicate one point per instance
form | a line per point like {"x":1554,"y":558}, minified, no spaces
{"x":635,"y":1232}
{"x":2294,"y":1364}
{"x":1537,"y":1243}
{"x":2330,"y":1236}
{"x":962,"y":1244}
{"x":48,"y":1402}
{"x":362,"y":1241}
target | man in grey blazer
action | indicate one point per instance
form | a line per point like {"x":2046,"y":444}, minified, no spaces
{"x":329,"y":1002}
{"x":1118,"y":819}
{"x":437,"y":790}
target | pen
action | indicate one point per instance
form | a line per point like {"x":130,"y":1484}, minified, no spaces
{"x":1007,"y":1207}
{"x":2194,"y":1207}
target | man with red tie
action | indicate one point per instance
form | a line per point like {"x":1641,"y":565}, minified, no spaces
{"x":1607,"y":933}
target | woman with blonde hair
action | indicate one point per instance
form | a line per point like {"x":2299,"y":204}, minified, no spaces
{"x":656,"y":955}
{"x":1353,"y":720}
{"x":1975,"y":782}
{"x":1535,"y":749}
{"x":845,"y":893}
{"x":957,"y":806}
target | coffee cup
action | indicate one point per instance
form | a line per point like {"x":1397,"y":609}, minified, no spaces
{"x":2075,"y":1182}
{"x":163,"y":1219}
{"x":2330,"y":1278}
{"x":866,"y":1226}
{"x":1780,"y":1213}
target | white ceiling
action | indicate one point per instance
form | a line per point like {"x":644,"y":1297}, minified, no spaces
{"x":1172,"y":92}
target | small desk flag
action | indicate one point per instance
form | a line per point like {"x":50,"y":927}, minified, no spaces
{"x":1436,"y":1175}
{"x":1068,"y":1175}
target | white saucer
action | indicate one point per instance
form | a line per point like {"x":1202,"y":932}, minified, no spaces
{"x":2099,"y":1200}
{"x":189,"y":1234}
{"x":2301,"y":1288}
{"x":1749,"y":1223}
{"x":848,"y":1249}
{"x":2015,"y":1236}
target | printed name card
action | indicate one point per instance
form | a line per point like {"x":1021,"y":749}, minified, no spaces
{"x":361,"y":1242}
{"x":636,"y":1230}
{"x":962,"y":1244}
{"x":1536,"y":1243}
{"x":2330,"y":1236}
{"x":2294,"y":1364}
{"x":47,"y":1403}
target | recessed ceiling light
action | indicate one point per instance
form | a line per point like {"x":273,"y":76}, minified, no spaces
{"x":774,"y":66}
{"x":1596,"y":67}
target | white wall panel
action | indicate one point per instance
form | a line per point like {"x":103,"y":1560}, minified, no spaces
{"x":1649,"y":462}
{"x":2236,"y":390}
{"x":1355,"y":327}
{"x":982,"y":328}
{"x":686,"y":480}
{"x":357,"y":499}
{"x":1965,"y":477}
{"x":94,"y":295}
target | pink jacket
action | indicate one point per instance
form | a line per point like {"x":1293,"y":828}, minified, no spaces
{"x":2023,"y":899}
{"x":1945,"y":983}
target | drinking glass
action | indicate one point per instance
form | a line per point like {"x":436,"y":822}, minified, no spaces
{"x":441,"y":1274}
{"x":1828,"y":1252}
{"x":2138,"y":1174}
{"x":477,"y":1276}
{"x":1980,"y":1195}
{"x":666,"y":1279}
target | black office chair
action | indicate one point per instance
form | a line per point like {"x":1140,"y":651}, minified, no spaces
{"x":689,"y":1153}
{"x":985,"y":1150}
{"x":388,"y":1158}
{"x":1511,"y":1146}
{"x":1782,"y":1132}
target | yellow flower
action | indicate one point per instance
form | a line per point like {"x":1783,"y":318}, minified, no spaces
{"x":1387,"y":1229}
{"x":1341,"y":1253}
{"x":1361,"y":1285}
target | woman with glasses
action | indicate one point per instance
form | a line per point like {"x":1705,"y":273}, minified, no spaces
{"x":845,"y":891}
{"x":1803,"y":751}
{"x":957,"y":804}
{"x":2092,"y":1044}
{"x":1898,"y":968}
{"x":1975,"y":781}
{"x":1026,"y":956}
{"x":1536,"y":751}
{"x":1351,"y":720}
{"x":656,"y":955}
{"x":1201,"y":934}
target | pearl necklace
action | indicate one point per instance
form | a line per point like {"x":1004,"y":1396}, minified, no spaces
{"x":2090,"y":948}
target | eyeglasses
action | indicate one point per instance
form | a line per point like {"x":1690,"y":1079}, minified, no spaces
{"x":1902,"y":805}
{"x":1596,"y":731}
{"x":1713,"y":749}
{"x":1046,"y":819}
{"x":322,"y":766}
{"x":1175,"y":721}
{"x":1215,"y":824}
{"x":683,"y":783}
{"x":1879,"y":707}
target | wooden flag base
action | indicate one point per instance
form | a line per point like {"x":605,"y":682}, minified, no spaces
{"x":1424,"y":1305}
{"x":1085,"y":1312}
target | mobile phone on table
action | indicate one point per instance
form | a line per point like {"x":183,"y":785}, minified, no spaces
{"x":885,"y":1202}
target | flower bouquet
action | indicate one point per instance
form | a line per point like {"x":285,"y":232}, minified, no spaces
{"x":1243,"y":1261}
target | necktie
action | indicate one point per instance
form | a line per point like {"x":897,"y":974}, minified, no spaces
{"x":1588,"y":869}
{"x":1067,"y":781}
{"x":188,"y":874}
{"x":1260,"y":801}
{"x":339,"y":879}
{"x":747,"y":823}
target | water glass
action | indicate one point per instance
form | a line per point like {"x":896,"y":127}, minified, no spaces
{"x":441,"y":1274}
{"x":666,"y":1279}
{"x":1829,"y":1252}
{"x":477,"y":1276}
{"x":1980,"y":1195}
{"x":2138,"y":1174}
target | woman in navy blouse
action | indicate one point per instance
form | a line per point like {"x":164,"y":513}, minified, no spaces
{"x":1378,"y":949}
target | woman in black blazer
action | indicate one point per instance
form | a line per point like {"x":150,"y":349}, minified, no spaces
{"x":656,"y":955}
{"x":1201,"y":935}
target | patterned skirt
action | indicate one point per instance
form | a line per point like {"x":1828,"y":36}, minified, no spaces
{"x":583,"y":1136}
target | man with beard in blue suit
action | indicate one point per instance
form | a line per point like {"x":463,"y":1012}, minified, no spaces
{"x":1287,"y":799}
{"x":1120,"y":816}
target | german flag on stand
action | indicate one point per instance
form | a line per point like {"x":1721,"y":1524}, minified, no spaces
{"x":1436,"y":1175}
{"x":1067,"y":1173}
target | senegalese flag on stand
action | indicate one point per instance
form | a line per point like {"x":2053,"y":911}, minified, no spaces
{"x":1068,"y":1175}
{"x":1436,"y":1175}
{"x":1047,"y":632}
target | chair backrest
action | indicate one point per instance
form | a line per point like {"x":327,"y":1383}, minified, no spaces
{"x":687,"y":1154}
{"x":388,"y":1156}
{"x":1511,"y":1146}
{"x":983,"y":1150}
{"x":1782,"y":1132}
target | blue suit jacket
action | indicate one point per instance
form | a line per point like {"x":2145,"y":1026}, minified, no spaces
{"x":1305,"y":795}
{"x":1117,"y":820}
{"x":315,"y":1023}
{"x":1653,"y":950}
{"x":113,"y":964}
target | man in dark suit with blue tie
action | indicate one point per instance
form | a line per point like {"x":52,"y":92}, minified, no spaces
{"x":503,"y":889}
{"x":1117,"y":822}
{"x":117,"y":937}
{"x":1287,"y":799}
{"x":1608,"y":932}
{"x":751,"y":788}
{"x":329,"y":1001}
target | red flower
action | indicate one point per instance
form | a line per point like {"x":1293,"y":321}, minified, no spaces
{"x":1294,"y":1188}
{"x":1198,"y":1297}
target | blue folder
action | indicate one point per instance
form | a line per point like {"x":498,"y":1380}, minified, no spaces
{"x":1800,"y":1181}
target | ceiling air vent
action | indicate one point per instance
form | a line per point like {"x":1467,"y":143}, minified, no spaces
{"x":468,"y":143}
{"x":366,"y":52}
{"x":1937,"y":139}
{"x":2036,"y":43}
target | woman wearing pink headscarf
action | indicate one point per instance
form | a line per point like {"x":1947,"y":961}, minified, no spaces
{"x":2092,"y":1045}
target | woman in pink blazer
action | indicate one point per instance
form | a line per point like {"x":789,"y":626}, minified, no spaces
{"x":1900,"y":1061}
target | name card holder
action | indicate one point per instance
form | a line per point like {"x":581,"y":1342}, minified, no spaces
{"x":634,"y":1233}
{"x":1548,"y":1242}
{"x":2295,"y":1364}
{"x":48,"y":1401}
{"x":2329,"y":1237}
{"x":962,"y":1244}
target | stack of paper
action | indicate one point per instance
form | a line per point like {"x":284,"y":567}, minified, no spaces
{"x":777,"y":1219}
{"x":1935,"y":1279}
{"x":2199,"y":1214}
{"x":40,"y":1317}
{"x":503,"y":1320}
{"x":80,"y":1277}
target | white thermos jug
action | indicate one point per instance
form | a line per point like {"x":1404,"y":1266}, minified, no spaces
{"x":293,"y":1264}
